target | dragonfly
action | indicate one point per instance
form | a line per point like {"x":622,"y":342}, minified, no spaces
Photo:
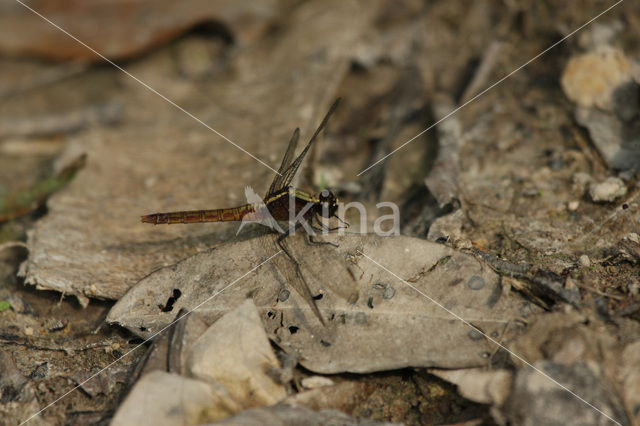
{"x":282,"y":203}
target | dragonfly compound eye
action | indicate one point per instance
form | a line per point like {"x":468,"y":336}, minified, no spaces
{"x":328,"y":203}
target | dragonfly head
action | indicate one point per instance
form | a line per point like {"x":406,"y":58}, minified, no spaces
{"x":328,"y":203}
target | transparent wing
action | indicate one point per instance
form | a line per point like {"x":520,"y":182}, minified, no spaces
{"x":323,"y":268}
{"x":291,"y":266}
{"x":290,"y":172}
{"x":288,"y":268}
{"x":291,"y":149}
{"x":310,"y":270}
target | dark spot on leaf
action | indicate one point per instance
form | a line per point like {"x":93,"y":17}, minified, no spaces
{"x":168,"y":307}
{"x":142,"y":328}
{"x":455,"y":282}
{"x":293,"y":329}
{"x":442,"y":240}
{"x":325,"y":343}
{"x":271,"y":314}
{"x":319,"y":296}
{"x":517,"y":324}
{"x":476,"y":282}
{"x":475,"y":334}
{"x":284,"y":295}
{"x":370,"y":302}
{"x":389,"y":292}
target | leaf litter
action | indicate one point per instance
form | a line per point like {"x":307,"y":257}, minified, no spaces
{"x":390,"y":326}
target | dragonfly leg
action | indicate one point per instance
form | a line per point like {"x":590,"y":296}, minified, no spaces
{"x":284,"y":249}
{"x":284,"y":235}
{"x":309,"y":237}
{"x":280,"y":242}
{"x":324,"y":228}
{"x":346,"y":224}
{"x":313,"y":242}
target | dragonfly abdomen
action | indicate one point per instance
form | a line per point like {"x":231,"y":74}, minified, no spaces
{"x":198,"y":216}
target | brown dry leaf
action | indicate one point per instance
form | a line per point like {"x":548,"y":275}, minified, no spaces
{"x":390,"y":326}
{"x":122,"y":28}
{"x":92,"y":243}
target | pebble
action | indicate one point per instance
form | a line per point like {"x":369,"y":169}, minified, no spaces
{"x":584,"y":261}
{"x":590,"y":79}
{"x":314,"y":382}
{"x":608,"y":190}
{"x":573,"y":205}
{"x":581,"y":178}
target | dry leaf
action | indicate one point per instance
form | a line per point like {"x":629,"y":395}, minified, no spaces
{"x":390,"y":326}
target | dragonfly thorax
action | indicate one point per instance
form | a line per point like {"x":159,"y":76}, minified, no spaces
{"x":327,"y":205}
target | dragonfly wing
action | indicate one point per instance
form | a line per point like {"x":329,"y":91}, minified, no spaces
{"x":286,"y":160}
{"x":287,"y":267}
{"x":311,"y":269}
{"x":325,"y":268}
{"x":290,"y":172}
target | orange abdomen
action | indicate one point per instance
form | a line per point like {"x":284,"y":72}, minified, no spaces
{"x":197,"y":216}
